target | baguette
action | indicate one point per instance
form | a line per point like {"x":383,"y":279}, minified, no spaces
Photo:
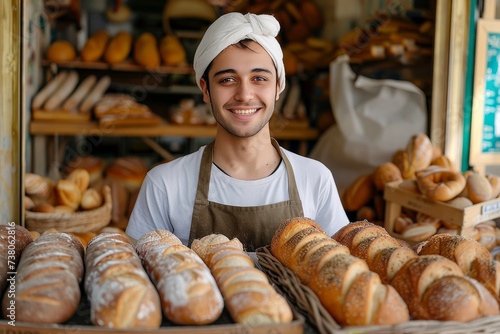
{"x":188,"y":292}
{"x":72,"y":103}
{"x":48,"y":280}
{"x":352,"y":293}
{"x":248,"y":295}
{"x":13,"y":240}
{"x":62,"y":93}
{"x":95,"y":94}
{"x":120,"y":292}
{"x":48,"y":90}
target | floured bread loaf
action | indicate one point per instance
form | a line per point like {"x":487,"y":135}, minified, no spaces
{"x":248,"y":295}
{"x":188,"y":291}
{"x":48,"y":280}
{"x":120,"y":292}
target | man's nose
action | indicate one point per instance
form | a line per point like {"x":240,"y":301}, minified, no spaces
{"x":244,"y":92}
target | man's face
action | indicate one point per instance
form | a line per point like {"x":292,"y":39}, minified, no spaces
{"x":243,"y":89}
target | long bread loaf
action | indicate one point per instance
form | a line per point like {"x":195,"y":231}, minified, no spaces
{"x":120,"y":292}
{"x":188,"y":292}
{"x":48,"y":280}
{"x":345,"y":286}
{"x":248,"y":295}
{"x":13,"y":239}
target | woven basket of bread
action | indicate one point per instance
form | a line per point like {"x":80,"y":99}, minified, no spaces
{"x":308,"y":304}
{"x":79,"y":221}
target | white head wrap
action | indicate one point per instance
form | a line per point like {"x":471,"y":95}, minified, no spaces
{"x":233,"y":27}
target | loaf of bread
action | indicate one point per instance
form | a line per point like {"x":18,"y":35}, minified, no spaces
{"x":385,"y":173}
{"x":13,"y":239}
{"x":38,"y":188}
{"x":345,"y":286}
{"x":417,"y":155}
{"x":120,"y":292}
{"x":435,"y":288}
{"x":359,"y":193}
{"x":188,"y":292}
{"x":172,"y":51}
{"x":94,"y":47}
{"x":48,"y":280}
{"x":248,"y":295}
{"x":439,"y":184}
{"x":129,"y":171}
{"x":118,"y":47}
{"x":146,"y":51}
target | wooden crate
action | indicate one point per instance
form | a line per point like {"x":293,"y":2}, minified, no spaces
{"x":465,"y":219}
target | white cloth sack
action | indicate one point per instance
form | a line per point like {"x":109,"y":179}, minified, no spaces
{"x":374,"y":119}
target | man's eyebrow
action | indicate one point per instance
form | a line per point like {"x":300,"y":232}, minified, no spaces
{"x":255,"y":70}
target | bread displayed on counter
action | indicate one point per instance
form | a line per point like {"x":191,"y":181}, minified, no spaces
{"x":352,"y":293}
{"x":120,"y":292}
{"x":48,"y":279}
{"x":188,"y":291}
{"x":13,"y":239}
{"x":248,"y":295}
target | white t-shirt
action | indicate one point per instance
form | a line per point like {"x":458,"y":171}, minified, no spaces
{"x":166,"y":198}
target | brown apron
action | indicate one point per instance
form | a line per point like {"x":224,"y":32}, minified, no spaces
{"x":254,"y":226}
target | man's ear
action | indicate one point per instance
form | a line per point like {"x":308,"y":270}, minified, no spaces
{"x":204,"y":88}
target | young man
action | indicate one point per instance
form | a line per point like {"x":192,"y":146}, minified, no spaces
{"x":243,"y":184}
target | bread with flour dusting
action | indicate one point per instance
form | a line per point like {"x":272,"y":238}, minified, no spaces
{"x":248,"y":295}
{"x":188,"y":291}
{"x":48,"y":280}
{"x":120,"y":292}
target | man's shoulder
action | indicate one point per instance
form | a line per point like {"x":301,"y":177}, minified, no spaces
{"x":185,"y":162}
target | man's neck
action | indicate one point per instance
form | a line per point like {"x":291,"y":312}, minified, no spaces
{"x":246,"y":158}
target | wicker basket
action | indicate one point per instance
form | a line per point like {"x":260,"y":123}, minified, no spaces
{"x":80,"y":221}
{"x":308,"y":304}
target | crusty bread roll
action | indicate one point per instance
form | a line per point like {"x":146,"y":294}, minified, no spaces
{"x":385,"y":173}
{"x":146,"y":52}
{"x":478,"y":188}
{"x":38,"y":188}
{"x":172,"y":51}
{"x":435,"y":288}
{"x":358,"y":193}
{"x":93,"y":164}
{"x":48,"y":280}
{"x":120,"y":292}
{"x":91,"y":199}
{"x":440,"y":184}
{"x":344,"y":284}
{"x":248,"y":295}
{"x":417,"y":155}
{"x":68,"y":193}
{"x":60,"y":51}
{"x":188,"y":292}
{"x":463,"y":251}
{"x":80,"y":177}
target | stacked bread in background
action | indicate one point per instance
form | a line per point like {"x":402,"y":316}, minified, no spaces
{"x":422,"y":169}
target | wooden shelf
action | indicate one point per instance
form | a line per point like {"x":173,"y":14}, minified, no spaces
{"x":125,"y":66}
{"x":284,"y":130}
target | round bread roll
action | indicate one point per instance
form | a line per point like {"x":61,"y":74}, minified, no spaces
{"x":81,"y":178}
{"x":385,"y":173}
{"x":61,"y":51}
{"x":68,"y":193}
{"x":91,"y":199}
{"x":478,"y":188}
{"x":38,"y":188}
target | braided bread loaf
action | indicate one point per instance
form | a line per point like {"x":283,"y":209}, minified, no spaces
{"x":120,"y":292}
{"x":248,"y":295}
{"x":188,"y":292}
{"x":344,"y":284}
{"x":48,"y":280}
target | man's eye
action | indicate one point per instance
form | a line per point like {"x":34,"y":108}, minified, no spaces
{"x":224,"y":80}
{"x":260,"y":78}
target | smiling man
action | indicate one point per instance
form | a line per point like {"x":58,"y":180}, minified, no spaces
{"x":243,"y":184}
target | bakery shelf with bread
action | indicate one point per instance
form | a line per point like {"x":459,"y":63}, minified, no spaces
{"x":419,"y":279}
